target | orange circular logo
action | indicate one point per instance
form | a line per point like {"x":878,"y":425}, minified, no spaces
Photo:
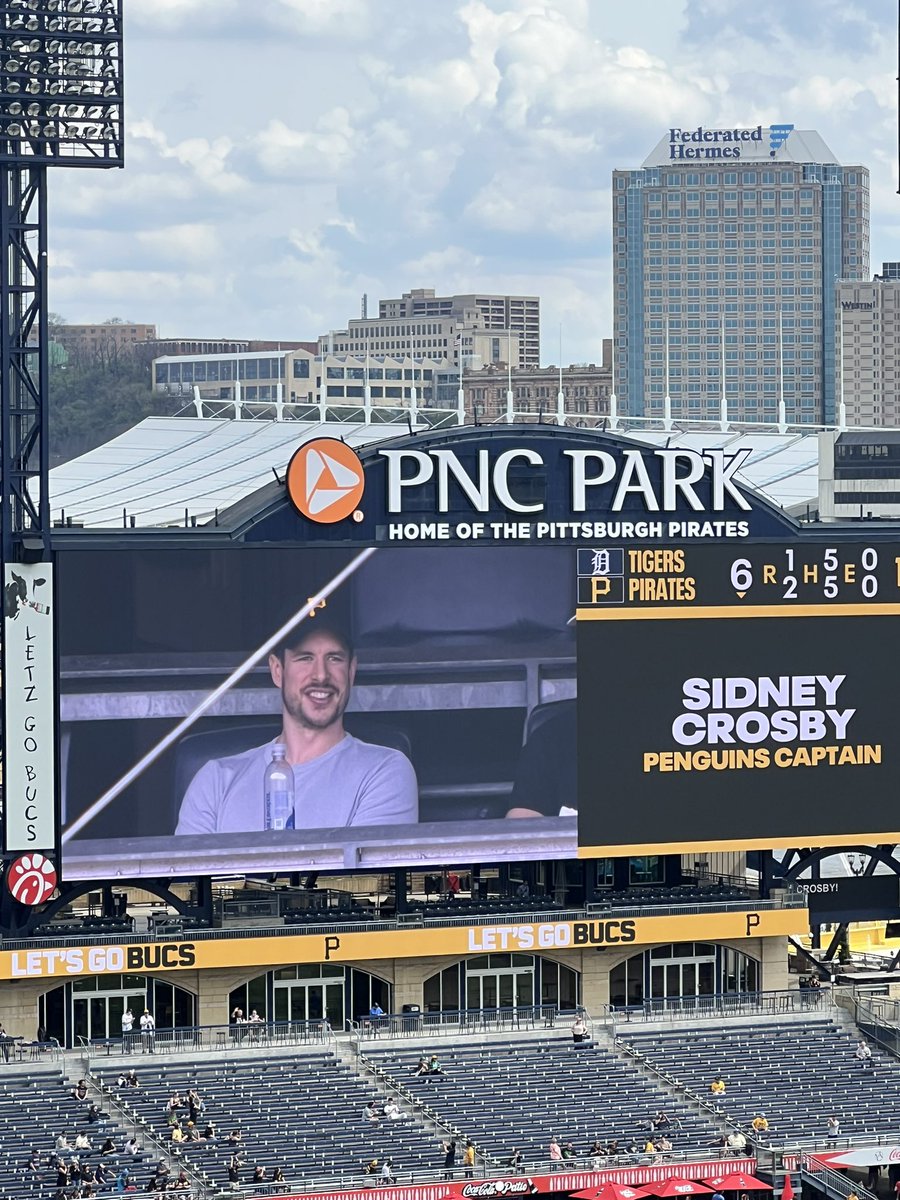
{"x":325,"y":480}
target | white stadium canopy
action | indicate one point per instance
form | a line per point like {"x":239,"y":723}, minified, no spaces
{"x":166,"y":466}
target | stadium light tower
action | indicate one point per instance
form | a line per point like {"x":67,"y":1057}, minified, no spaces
{"x":61,"y":105}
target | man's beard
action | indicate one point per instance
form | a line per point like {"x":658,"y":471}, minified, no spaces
{"x":323,"y":720}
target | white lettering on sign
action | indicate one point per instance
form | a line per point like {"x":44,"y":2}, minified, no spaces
{"x":628,"y":474}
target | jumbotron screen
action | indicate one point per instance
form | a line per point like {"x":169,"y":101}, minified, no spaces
{"x":438,"y":707}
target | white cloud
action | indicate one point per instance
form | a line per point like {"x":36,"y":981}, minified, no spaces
{"x":183,"y":243}
{"x":319,"y":153}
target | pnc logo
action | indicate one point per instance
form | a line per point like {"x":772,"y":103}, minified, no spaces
{"x":325,"y":480}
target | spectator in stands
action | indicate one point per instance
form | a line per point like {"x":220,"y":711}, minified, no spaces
{"x":80,"y":1090}
{"x":371,"y":1167}
{"x":579,"y":1030}
{"x":62,"y":1142}
{"x":759,"y":1124}
{"x":372,"y":1113}
{"x":469,"y":1160}
{"x":210,"y":1133}
{"x":343,"y":781}
{"x":235,"y":1137}
{"x":195,"y":1105}
{"x":649,"y":1146}
{"x":523,"y":891}
{"x":612,"y":1148}
{"x":127,"y":1027}
{"x":872,"y":1178}
{"x":568,"y":1150}
{"x":514,"y":1162}
{"x":62,"y":1174}
{"x":833,"y":1126}
{"x":131,"y":1078}
{"x":663,"y":1144}
{"x":555,"y":1153}
{"x":173,"y":1105}
{"x":192,"y":1133}
{"x":434,"y":1066}
{"x":422,"y":1068}
{"x":177,"y":1134}
{"x":148,"y":1031}
{"x":83,"y":1142}
{"x":864,"y":1054}
{"x":392,"y":1110}
{"x":182,"y":1183}
{"x":108,"y":1147}
{"x":234,"y":1171}
{"x":387,"y":1173}
{"x":259,"y":1174}
{"x":717,"y":1087}
{"x":736,"y":1142}
{"x":237,"y":1016}
{"x":376,"y":1018}
{"x":278,"y":1176}
{"x":449,"y":1149}
{"x":131,"y":1146}
{"x":94,"y":1114}
{"x":660,"y":1121}
{"x":123,"y":1180}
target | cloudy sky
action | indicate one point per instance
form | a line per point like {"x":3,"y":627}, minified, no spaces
{"x":286,"y":156}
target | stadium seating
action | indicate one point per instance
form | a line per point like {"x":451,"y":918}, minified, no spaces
{"x":36,"y":1106}
{"x":797,"y":1074}
{"x":519,"y":1094}
{"x":303,"y":1113}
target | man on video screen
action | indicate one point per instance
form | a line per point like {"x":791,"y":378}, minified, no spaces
{"x":338,"y":779}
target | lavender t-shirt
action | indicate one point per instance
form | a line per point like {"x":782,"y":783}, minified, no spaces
{"x":353,"y":783}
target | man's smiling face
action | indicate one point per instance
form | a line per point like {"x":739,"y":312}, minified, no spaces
{"x":315,"y":679}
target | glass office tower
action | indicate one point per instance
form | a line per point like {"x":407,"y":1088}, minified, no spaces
{"x":726,"y":247}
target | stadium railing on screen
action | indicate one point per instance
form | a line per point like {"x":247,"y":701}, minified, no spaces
{"x":189,"y":1039}
{"x":413,"y":921}
{"x":476,"y":1020}
{"x":736,"y":1004}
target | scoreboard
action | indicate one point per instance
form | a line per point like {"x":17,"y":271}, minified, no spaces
{"x":716,"y":710}
{"x":755,"y":576}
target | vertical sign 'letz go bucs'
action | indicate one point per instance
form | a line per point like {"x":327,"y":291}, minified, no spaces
{"x":29,"y":783}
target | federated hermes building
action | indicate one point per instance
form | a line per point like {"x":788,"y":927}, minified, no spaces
{"x":727,"y":245}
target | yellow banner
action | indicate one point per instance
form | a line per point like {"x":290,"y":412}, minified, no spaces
{"x":608,"y":930}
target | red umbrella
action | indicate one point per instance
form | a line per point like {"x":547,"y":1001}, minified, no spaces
{"x":739,"y":1183}
{"x":612,"y":1191}
{"x":787,"y":1192}
{"x":679,"y":1187}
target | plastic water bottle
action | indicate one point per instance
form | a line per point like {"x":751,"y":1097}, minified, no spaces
{"x":279,"y":790}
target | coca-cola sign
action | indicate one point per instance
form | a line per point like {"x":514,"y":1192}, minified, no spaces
{"x":499,"y":1187}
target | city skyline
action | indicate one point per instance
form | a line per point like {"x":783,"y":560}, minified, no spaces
{"x":467,"y":146}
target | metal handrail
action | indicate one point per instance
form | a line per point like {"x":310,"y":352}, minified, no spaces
{"x":346,"y":1180}
{"x":250,"y":1035}
{"x":463,"y":1021}
{"x":818,"y":1173}
{"x":724,"y":1004}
